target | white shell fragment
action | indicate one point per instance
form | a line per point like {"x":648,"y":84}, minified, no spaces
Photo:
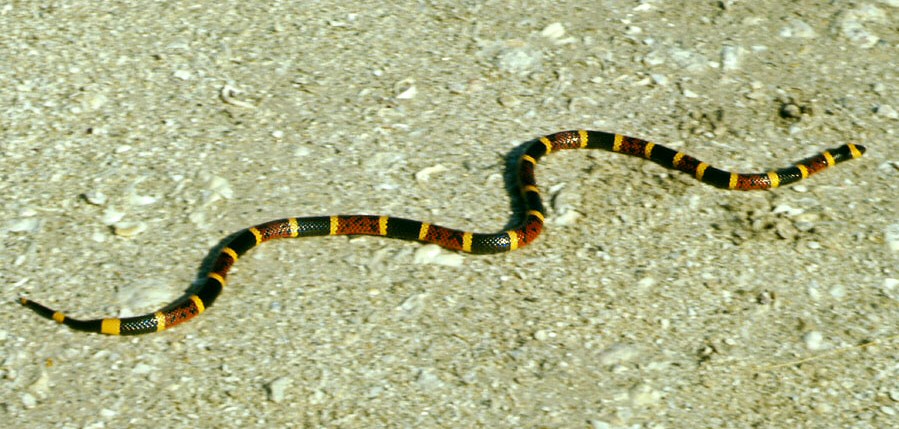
{"x":434,"y":255}
{"x":27,"y":224}
{"x":111,"y":216}
{"x":555,"y":32}
{"x":129,"y":229}
{"x":798,"y":29}
{"x":228,"y":93}
{"x":814,"y":340}
{"x":96,"y":198}
{"x":425,"y":173}
{"x":139,"y":200}
{"x":408,"y":94}
{"x":891,"y":236}
{"x":277,"y":389}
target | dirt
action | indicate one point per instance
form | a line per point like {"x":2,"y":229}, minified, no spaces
{"x":137,"y":137}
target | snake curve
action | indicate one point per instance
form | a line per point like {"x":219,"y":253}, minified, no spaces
{"x":192,"y":304}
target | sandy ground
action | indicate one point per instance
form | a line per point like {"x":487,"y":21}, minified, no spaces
{"x":135,"y":139}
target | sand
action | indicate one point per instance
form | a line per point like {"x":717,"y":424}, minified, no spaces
{"x":137,"y":135}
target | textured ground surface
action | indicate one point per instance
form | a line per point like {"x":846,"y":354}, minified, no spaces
{"x":134,"y":139}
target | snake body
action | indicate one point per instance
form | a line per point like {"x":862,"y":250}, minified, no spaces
{"x":192,"y":304}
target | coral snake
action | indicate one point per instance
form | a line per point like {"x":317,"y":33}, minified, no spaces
{"x":194,"y":303}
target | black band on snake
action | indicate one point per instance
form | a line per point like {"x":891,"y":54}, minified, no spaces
{"x":527,"y":231}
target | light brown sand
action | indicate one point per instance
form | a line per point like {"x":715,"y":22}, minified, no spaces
{"x":667,"y":304}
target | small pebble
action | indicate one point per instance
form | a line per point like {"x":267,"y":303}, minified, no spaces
{"x":277,"y":389}
{"x":111,"y":216}
{"x":643,"y":395}
{"x":616,"y":354}
{"x":814,"y":340}
{"x":600,"y":424}
{"x":689,"y":60}
{"x":543,"y":335}
{"x":96,"y":198}
{"x":887,"y":111}
{"x":41,"y":386}
{"x":413,"y":304}
{"x":28,"y":400}
{"x":659,"y":79}
{"x":28,"y":224}
{"x":433,"y":254}
{"x":553,"y":31}
{"x":556,"y":32}
{"x":894,"y":395}
{"x":129,"y":229}
{"x":519,"y":60}
{"x":425,"y":173}
{"x":408,"y":94}
{"x":790,"y":111}
{"x":141,"y":369}
{"x":798,"y":29}
{"x":428,"y":380}
{"x":569,"y":217}
{"x":891,"y":236}
{"x":646,"y":283}
{"x":140,"y":200}
{"x":851,"y":24}
{"x":182,"y":74}
{"x":731,"y":57}
{"x":94,"y":101}
{"x":838,"y":292}
{"x":788,"y":210}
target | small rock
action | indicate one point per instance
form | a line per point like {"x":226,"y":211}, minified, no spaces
{"x":838,"y":292}
{"x":553,"y":31}
{"x":616,"y":354}
{"x":790,"y":111}
{"x":851,"y":23}
{"x":413,"y":305}
{"x":887,"y":111}
{"x":129,"y":229}
{"x":28,"y":400}
{"x":408,"y":94}
{"x":96,"y":198}
{"x":731,"y":57}
{"x":894,"y":394}
{"x":433,"y":254}
{"x":425,"y":174}
{"x":141,"y":369}
{"x":659,"y":79}
{"x":111,"y":216}
{"x":643,"y":395}
{"x":798,"y":29}
{"x":428,"y":380}
{"x":519,"y":60}
{"x":277,"y":389}
{"x":891,"y":236}
{"x":28,"y":224}
{"x":689,"y":60}
{"x":814,"y":340}
{"x":543,"y":335}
